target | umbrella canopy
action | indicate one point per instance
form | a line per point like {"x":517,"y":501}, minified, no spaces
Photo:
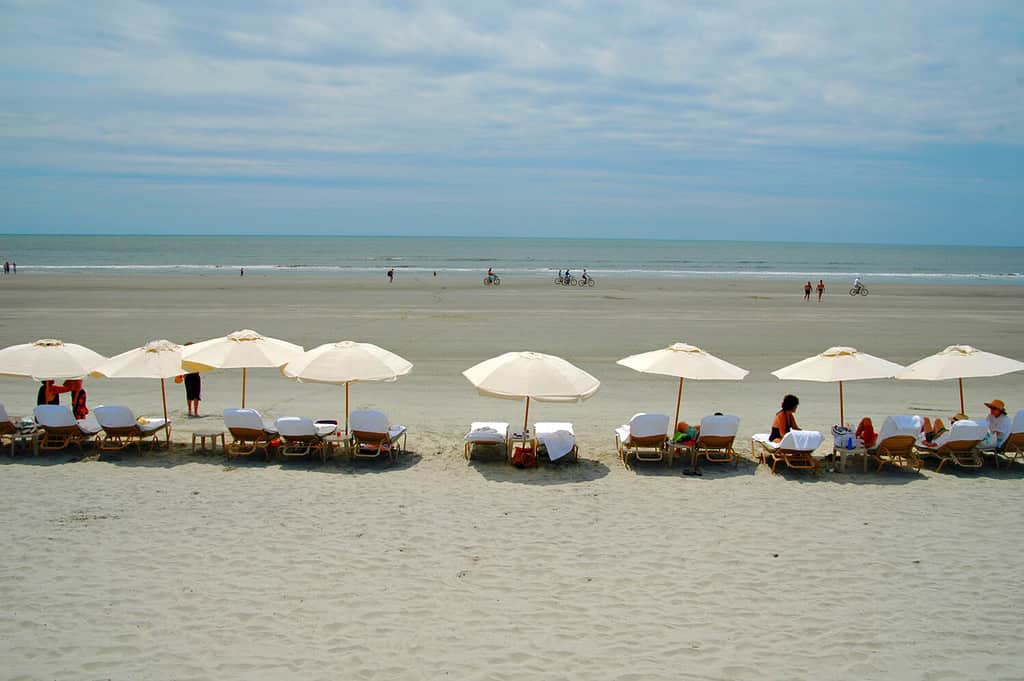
{"x":245,"y":349}
{"x":347,"y":362}
{"x":533,"y":376}
{"x":157,"y":359}
{"x":48,"y":359}
{"x":682,"y":361}
{"x":837,"y":365}
{"x":960,"y":362}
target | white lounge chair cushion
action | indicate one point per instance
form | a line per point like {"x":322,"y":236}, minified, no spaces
{"x":962,"y":431}
{"x":122,"y":417}
{"x":719,"y":426}
{"x":325,"y":428}
{"x":558,"y":438}
{"x":296,"y":426}
{"x":3,"y":414}
{"x":1017,"y":427}
{"x":373,"y":421}
{"x":795,"y":440}
{"x":898,"y":426}
{"x":248,"y":418}
{"x":645,"y":425}
{"x":60,"y":416}
{"x":494,"y":432}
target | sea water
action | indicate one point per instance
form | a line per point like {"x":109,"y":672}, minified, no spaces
{"x":511,"y":256}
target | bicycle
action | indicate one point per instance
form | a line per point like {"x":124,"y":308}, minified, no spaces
{"x":492,"y":280}
{"x":570,"y":281}
{"x":589,"y":281}
{"x":859,"y":290}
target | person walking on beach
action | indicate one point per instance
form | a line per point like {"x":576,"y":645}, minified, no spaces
{"x":807,"y":291}
{"x":14,"y":266}
{"x":7,"y":267}
{"x":193,"y":390}
{"x":821,"y":288}
{"x":241,"y":271}
{"x":391,"y":275}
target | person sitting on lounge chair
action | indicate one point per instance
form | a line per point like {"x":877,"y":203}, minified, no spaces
{"x":998,"y":421}
{"x":784,"y":419}
{"x":866,"y":432}
{"x":49,"y":393}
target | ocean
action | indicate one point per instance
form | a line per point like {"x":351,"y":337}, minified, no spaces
{"x":511,"y":257}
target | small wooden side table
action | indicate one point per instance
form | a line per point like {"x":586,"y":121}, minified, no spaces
{"x":202,"y":435}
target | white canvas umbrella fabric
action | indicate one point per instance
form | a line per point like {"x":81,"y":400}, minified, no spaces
{"x":245,"y":349}
{"x":157,"y":359}
{"x":838,"y":365}
{"x":48,"y":359}
{"x":683,"y":361}
{"x":960,"y":362}
{"x":347,"y":362}
{"x":531,"y":376}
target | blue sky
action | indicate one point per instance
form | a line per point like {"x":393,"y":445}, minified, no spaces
{"x":848,"y":121}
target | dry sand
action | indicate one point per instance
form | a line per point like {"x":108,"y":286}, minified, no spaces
{"x":168,"y":566}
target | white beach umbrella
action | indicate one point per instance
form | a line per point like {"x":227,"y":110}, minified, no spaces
{"x":960,"y":362}
{"x":156,"y":359}
{"x":48,"y":359}
{"x":245,"y":349}
{"x":531,"y":376}
{"x":838,"y":365}
{"x":682,"y":361}
{"x":347,"y":362}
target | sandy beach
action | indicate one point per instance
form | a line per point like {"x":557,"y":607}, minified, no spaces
{"x":171,"y":566}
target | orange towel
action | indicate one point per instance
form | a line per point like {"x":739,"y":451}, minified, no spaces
{"x":866,"y":432}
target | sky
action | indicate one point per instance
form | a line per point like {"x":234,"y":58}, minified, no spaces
{"x":893,"y":121}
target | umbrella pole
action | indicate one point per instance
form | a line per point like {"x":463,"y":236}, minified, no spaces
{"x":526,"y":417}
{"x":679,"y":402}
{"x":961,"y":381}
{"x":243,"y":387}
{"x":841,"y":421}
{"x":346,"y":409}
{"x":163,"y":394}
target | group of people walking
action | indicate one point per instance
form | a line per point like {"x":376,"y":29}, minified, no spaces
{"x":808,"y":288}
{"x":10,"y":267}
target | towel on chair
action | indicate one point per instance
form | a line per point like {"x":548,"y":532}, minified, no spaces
{"x":558,"y":443}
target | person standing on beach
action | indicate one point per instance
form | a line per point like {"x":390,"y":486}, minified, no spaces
{"x":7,"y":267}
{"x":391,"y":275}
{"x":241,"y":272}
{"x":14,"y":266}
{"x":193,"y":389}
{"x":821,"y":288}
{"x":807,"y":291}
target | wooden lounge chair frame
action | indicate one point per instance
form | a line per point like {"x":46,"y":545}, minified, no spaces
{"x":246,"y":441}
{"x":56,"y":438}
{"x":467,"y":449}
{"x":1011,"y":450}
{"x":117,"y":438}
{"x":377,"y":445}
{"x":896,"y":451}
{"x":963,"y":453}
{"x":793,"y":458}
{"x":644,"y":448}
{"x":302,"y":445}
{"x":715,"y":449}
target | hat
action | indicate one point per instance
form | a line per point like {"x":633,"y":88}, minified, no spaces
{"x":958,"y":417}
{"x":996,"y":404}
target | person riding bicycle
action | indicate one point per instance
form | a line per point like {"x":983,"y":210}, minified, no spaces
{"x":584,"y":277}
{"x":490,"y":275}
{"x":568,"y":276}
{"x":857,"y":284}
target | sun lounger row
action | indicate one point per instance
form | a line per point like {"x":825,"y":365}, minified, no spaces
{"x":557,"y":441}
{"x":113,"y":428}
{"x":372,"y":435}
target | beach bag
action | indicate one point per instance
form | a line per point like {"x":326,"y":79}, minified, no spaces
{"x":524,"y":457}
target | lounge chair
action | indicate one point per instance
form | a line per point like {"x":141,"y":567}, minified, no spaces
{"x":121,"y":429}
{"x":8,"y":428}
{"x":958,"y":445}
{"x":486,"y":434}
{"x":301,"y":437}
{"x":374,"y":436}
{"x":60,"y":429}
{"x":715,"y":440}
{"x":895,"y":444}
{"x":1012,"y":448}
{"x":644,"y":438}
{"x":558,"y":439}
{"x":249,"y":432}
{"x":796,"y":449}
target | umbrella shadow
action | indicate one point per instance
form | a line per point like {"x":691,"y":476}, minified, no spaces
{"x":497,"y":469}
